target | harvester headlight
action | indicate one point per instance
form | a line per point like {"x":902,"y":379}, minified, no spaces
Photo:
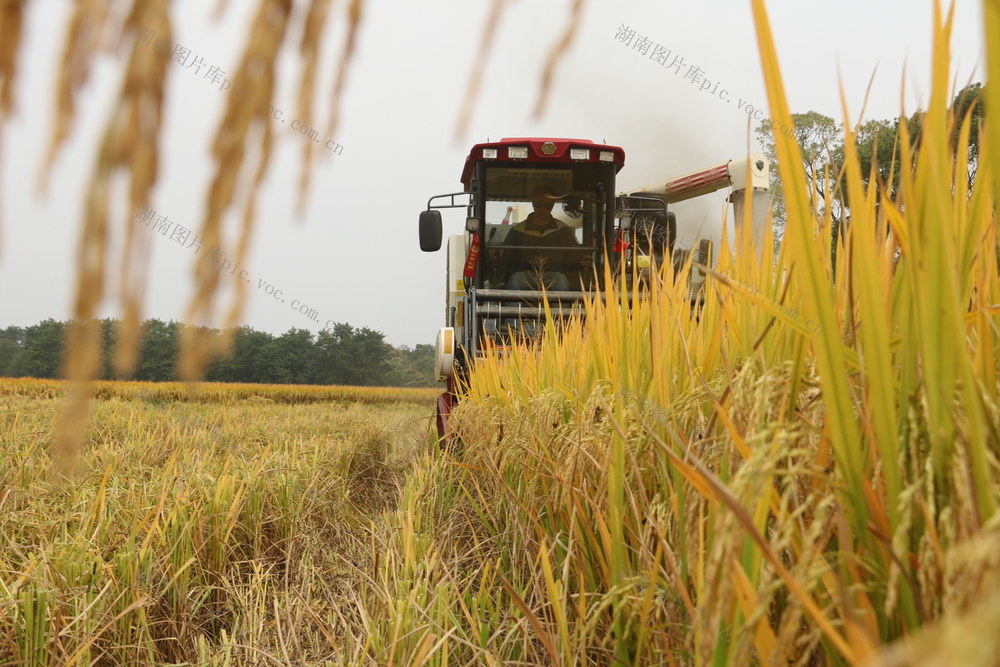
{"x":517,"y":152}
{"x":607,"y":156}
{"x":489,"y":154}
{"x":579,"y":154}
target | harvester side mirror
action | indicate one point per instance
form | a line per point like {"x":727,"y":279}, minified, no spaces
{"x":430,"y":230}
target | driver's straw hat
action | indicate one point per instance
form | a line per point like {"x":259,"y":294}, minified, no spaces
{"x":545,"y":192}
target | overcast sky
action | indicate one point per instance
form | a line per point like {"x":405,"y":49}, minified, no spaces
{"x":353,"y":256}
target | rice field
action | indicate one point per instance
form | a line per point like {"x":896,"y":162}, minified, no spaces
{"x":224,"y":529}
{"x":724,"y":486}
{"x":654,"y":485}
{"x":221,"y":392}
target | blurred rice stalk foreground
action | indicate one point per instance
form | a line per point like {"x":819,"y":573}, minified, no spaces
{"x":127,"y":160}
{"x":730,"y":488}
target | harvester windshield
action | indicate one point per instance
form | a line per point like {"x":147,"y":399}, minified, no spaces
{"x":543,"y":226}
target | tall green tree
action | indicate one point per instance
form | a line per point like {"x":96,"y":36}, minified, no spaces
{"x":296,"y":354}
{"x":43,"y":348}
{"x":346,"y":355}
{"x":332,"y":359}
{"x":372,"y":355}
{"x":14,"y":334}
{"x":821,"y":139}
{"x":411,"y":367}
{"x":109,"y":329}
{"x":12,"y":352}
{"x":339,"y":355}
{"x":878,"y":145}
{"x":11,"y":358}
{"x":158,"y":351}
{"x":969,"y":102}
{"x":254,"y":357}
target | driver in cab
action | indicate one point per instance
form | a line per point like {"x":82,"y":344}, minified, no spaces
{"x":541,"y":229}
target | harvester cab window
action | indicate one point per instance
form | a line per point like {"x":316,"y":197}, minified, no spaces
{"x":539,"y":226}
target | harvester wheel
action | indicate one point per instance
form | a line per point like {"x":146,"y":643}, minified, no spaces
{"x":445,"y":403}
{"x":449,"y":398}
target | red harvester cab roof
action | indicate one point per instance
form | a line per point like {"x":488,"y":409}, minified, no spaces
{"x":540,"y":149}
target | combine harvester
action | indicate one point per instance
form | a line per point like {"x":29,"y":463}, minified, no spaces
{"x":542,"y":212}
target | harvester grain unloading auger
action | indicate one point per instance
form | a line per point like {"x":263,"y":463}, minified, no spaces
{"x":542,"y":212}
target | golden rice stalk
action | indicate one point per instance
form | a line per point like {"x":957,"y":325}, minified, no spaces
{"x":873,"y":306}
{"x":148,"y":79}
{"x":818,"y":302}
{"x":965,"y":638}
{"x":313,"y":31}
{"x":485,"y":47}
{"x":353,"y":26}
{"x":129,"y":143}
{"x":558,"y":51}
{"x":11,"y":15}
{"x":991,"y":21}
{"x":82,"y":44}
{"x":475,"y":76}
{"x":247,"y":113}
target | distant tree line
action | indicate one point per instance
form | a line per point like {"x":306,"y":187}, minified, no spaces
{"x":340,"y":354}
{"x":880,"y":153}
